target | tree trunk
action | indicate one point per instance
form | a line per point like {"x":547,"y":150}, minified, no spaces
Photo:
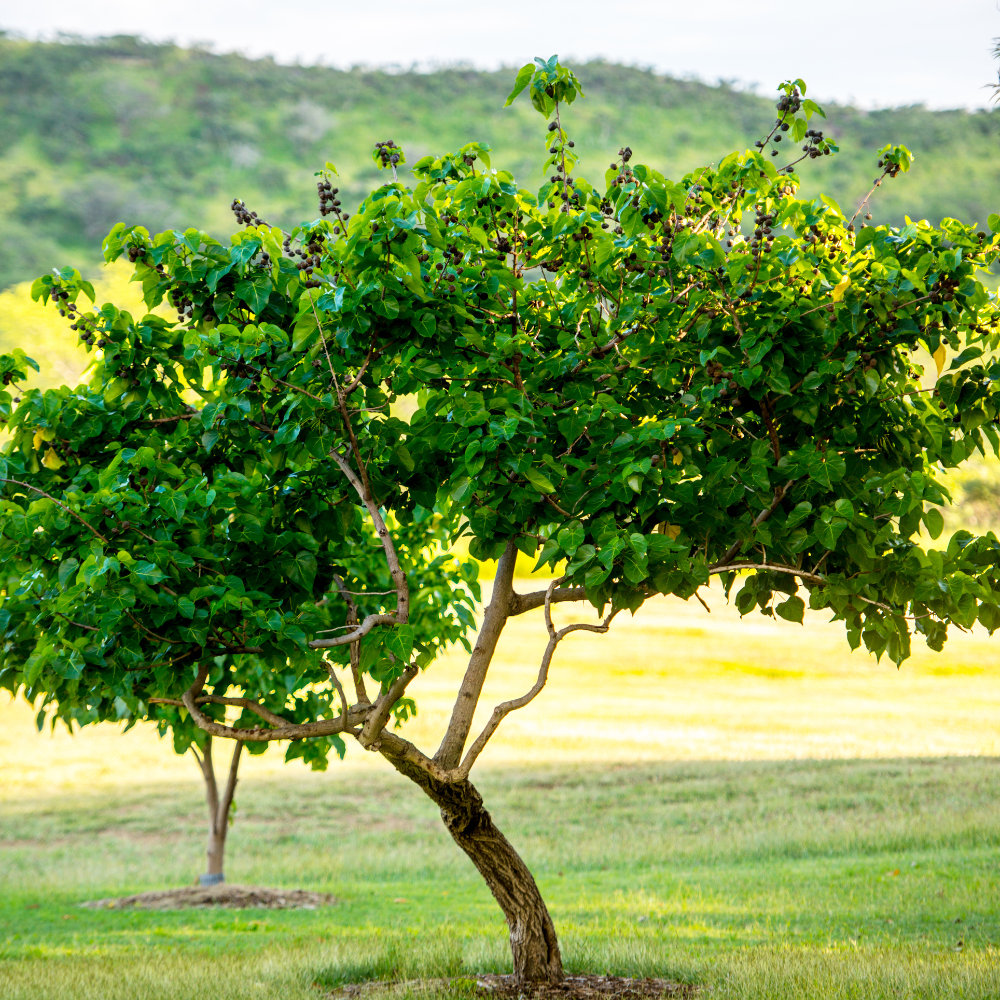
{"x":533,"y":942}
{"x":218,"y":810}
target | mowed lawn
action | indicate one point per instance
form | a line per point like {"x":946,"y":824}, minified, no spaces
{"x":743,"y":805}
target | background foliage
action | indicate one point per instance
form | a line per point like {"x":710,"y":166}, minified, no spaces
{"x":96,"y":132}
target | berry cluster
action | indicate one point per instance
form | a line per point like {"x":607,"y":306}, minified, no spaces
{"x":310,"y":258}
{"x":328,"y":200}
{"x":762,"y":235}
{"x":245,"y":217}
{"x":449,"y":269}
{"x":891,"y":167}
{"x":790,"y":102}
{"x":387,"y":152}
{"x":82,"y":322}
{"x":182,"y":303}
{"x":718,"y":374}
{"x":943,"y":290}
{"x":238,"y":369}
{"x":816,"y":146}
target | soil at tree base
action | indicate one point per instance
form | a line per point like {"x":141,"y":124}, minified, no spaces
{"x":506,"y":988}
{"x":233,"y":897}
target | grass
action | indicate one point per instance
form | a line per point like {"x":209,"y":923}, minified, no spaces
{"x":754,"y":811}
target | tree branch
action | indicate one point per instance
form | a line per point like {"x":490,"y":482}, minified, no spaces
{"x":520,"y":603}
{"x":59,"y":503}
{"x":335,"y":680}
{"x":211,"y":788}
{"x":359,"y":633}
{"x":779,"y":495}
{"x":504,"y":709}
{"x":395,"y":570}
{"x":790,"y":570}
{"x":288,"y":731}
{"x":352,"y":620}
{"x":809,"y":578}
{"x":495,"y":617}
{"x":375,"y":723}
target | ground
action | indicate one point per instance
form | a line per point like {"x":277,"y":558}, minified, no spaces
{"x":746,"y":807}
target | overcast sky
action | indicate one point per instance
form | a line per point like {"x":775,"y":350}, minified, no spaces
{"x":872,"y":52}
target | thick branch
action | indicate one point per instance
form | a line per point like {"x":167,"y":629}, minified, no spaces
{"x":289,"y":731}
{"x":504,"y":709}
{"x":495,"y":617}
{"x":255,"y":707}
{"x":400,"y":751}
{"x":335,"y":680}
{"x":208,"y":772}
{"x":519,"y":603}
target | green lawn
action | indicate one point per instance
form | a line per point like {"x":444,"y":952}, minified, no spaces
{"x":757,"y":879}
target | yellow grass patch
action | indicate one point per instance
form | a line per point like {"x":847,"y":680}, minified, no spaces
{"x":673,"y":683}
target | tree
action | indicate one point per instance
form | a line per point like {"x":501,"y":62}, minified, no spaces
{"x":663,"y":400}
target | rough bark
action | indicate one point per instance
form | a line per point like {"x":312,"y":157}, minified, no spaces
{"x":533,"y":942}
{"x":218,"y":807}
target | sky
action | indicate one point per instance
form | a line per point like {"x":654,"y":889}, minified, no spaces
{"x":874,"y":53}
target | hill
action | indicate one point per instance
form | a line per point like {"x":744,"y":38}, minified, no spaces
{"x":102,"y":130}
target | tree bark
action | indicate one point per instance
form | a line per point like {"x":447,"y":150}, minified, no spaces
{"x":494,"y":619}
{"x":533,"y":942}
{"x":218,"y":810}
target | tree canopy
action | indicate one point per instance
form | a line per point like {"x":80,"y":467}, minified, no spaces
{"x":643,"y":384}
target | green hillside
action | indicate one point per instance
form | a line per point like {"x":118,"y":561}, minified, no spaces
{"x":93,"y":132}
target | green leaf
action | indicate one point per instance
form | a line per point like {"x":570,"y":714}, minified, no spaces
{"x":791,"y":610}
{"x":571,"y":537}
{"x":399,"y":642}
{"x":302,"y":569}
{"x":524,"y":75}
{"x":828,"y":533}
{"x":66,"y":569}
{"x":254,"y":293}
{"x":462,"y":489}
{"x":933,"y":521}
{"x":186,"y":607}
{"x":172,"y":502}
{"x":149,"y":573}
{"x":540,"y":481}
{"x":115,"y":388}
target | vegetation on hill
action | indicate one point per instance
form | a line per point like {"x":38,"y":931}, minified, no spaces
{"x":93,"y":132}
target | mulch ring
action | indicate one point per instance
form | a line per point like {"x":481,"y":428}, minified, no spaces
{"x":505,"y":988}
{"x":232,"y":897}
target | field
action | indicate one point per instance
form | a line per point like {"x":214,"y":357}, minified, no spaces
{"x":748,"y":807}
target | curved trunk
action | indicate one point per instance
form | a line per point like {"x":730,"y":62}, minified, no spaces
{"x":218,"y":810}
{"x":533,"y":942}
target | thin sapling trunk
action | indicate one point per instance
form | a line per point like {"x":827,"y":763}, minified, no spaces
{"x":218,"y":810}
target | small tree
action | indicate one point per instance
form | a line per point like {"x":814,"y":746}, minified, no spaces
{"x":710,"y":377}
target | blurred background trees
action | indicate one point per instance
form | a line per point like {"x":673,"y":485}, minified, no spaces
{"x":93,"y":132}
